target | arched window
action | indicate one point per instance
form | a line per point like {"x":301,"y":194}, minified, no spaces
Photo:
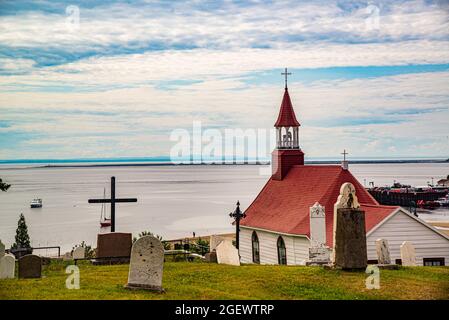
{"x":282,"y":252}
{"x":255,"y":244}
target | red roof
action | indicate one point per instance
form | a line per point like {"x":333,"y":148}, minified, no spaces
{"x":283,"y":206}
{"x":286,"y":116}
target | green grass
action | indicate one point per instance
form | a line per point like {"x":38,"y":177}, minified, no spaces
{"x":184,"y":280}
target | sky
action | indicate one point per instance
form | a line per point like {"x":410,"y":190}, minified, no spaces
{"x":107,"y":79}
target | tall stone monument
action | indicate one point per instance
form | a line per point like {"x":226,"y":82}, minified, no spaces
{"x":146,"y":264}
{"x":349,"y":231}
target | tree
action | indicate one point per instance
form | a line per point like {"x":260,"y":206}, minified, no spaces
{"x":149,"y":233}
{"x":4,"y":186}
{"x":22,"y":238}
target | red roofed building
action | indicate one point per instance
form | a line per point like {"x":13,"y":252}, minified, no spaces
{"x":277,"y":227}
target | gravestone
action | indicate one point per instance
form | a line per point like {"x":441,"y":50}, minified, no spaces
{"x":30,"y":266}
{"x":211,"y":257}
{"x":317,"y":225}
{"x":114,"y":246}
{"x":227,"y":253}
{"x":7,"y":266}
{"x":2,"y":249}
{"x":408,"y":255}
{"x":146,"y":264}
{"x":319,"y":253}
{"x":67,"y":256}
{"x":383,"y":253}
{"x":79,"y":253}
{"x":214,"y":242}
{"x":349,"y":231}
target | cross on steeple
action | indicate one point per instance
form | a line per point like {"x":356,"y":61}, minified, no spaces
{"x":285,"y":73}
{"x":344,"y":153}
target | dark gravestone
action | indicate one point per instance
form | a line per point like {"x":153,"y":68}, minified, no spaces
{"x":349,"y":231}
{"x":30,"y":266}
{"x":211,"y":257}
{"x":114,"y":247}
{"x":350,"y":239}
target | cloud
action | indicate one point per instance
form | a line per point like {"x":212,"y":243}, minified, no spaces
{"x":370,"y":79}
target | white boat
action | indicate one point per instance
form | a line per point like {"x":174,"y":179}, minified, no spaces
{"x":36,"y":203}
{"x":444,"y":202}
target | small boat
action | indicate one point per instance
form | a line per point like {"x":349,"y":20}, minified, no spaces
{"x":444,"y":202}
{"x":104,"y":222}
{"x":36,"y":203}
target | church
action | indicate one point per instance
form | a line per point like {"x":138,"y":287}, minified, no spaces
{"x":277,"y":228}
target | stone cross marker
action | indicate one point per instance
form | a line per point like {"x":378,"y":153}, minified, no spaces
{"x":113,"y":200}
{"x":227,"y":253}
{"x":30,"y":266}
{"x":2,"y":249}
{"x":349,"y":231}
{"x":7,"y":266}
{"x":408,"y":255}
{"x":383,"y":253}
{"x":146,"y":265}
{"x":79,"y":253}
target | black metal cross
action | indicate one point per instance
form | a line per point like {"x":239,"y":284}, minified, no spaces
{"x":112,"y":201}
{"x":344,"y":153}
{"x":285,"y":73}
{"x":237,"y":215}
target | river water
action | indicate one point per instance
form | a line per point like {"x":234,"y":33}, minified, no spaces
{"x":173,"y":201}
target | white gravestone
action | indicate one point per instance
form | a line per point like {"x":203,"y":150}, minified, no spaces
{"x":408,"y":255}
{"x":2,"y":249}
{"x":383,"y":253}
{"x":227,"y":253}
{"x":146,"y":264}
{"x":7,"y":266}
{"x":67,"y":256}
{"x":79,"y":253}
{"x":214,"y":242}
{"x":317,"y":225}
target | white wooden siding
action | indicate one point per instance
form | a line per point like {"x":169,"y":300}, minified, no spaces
{"x":297,"y":247}
{"x":402,"y":227}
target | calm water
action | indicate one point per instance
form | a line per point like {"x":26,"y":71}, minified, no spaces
{"x":173,"y":201}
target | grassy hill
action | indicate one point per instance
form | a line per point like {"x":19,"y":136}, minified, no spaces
{"x":184,"y":280}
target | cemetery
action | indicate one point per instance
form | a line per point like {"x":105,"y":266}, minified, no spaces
{"x":143,"y":267}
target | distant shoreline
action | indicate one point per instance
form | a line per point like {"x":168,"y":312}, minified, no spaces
{"x":83,"y":164}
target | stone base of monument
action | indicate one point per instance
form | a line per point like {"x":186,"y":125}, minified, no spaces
{"x":388,"y":266}
{"x":134,"y":286}
{"x":110,"y":261}
{"x":318,"y":264}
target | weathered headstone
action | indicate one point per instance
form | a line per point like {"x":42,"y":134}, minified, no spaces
{"x":79,"y":253}
{"x":67,"y":256}
{"x":227,"y":253}
{"x":317,"y":225}
{"x":30,"y":266}
{"x":408,"y":255}
{"x":383,"y":253}
{"x":211,"y":257}
{"x":2,"y":249}
{"x":146,"y":264}
{"x":114,"y":246}
{"x":214,"y":242}
{"x":319,"y":254}
{"x":7,"y":266}
{"x":349,"y":231}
